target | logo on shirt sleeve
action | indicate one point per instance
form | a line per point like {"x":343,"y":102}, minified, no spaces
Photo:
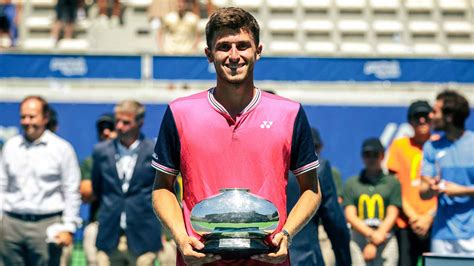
{"x":266,"y":124}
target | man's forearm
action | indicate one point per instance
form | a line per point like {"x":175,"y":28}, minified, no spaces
{"x":169,"y":212}
{"x":303,"y":211}
{"x":389,"y":220}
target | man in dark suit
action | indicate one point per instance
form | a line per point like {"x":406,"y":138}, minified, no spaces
{"x":305,"y":248}
{"x":122,"y":180}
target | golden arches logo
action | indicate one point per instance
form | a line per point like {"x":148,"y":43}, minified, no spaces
{"x":371,"y":202}
{"x":415,"y":165}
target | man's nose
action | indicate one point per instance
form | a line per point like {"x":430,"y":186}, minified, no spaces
{"x":234,"y":53}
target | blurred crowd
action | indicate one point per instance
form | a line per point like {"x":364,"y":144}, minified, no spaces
{"x":173,"y":22}
{"x":417,"y":200}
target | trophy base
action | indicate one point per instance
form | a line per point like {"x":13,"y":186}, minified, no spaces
{"x":236,"y":248}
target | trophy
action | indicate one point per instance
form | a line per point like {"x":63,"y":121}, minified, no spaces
{"x":235,"y":223}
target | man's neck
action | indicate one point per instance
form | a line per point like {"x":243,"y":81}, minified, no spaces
{"x":372,"y":173}
{"x":234,"y":98}
{"x":454,"y":133}
{"x":420,"y":139}
{"x":127,"y":142}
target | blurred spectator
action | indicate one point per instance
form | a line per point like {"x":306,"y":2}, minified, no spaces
{"x":105,"y":127}
{"x":158,"y":10}
{"x":104,"y":14}
{"x":448,"y":173}
{"x":10,"y":16}
{"x":305,"y":248}
{"x":122,"y":181}
{"x":178,"y":33}
{"x":371,"y":202}
{"x":40,"y":187}
{"x":66,"y":14}
{"x":404,"y":160}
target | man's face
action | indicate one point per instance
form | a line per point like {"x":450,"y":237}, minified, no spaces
{"x":372,"y":160}
{"x":234,"y":54}
{"x":126,"y":125}
{"x":421,"y":124}
{"x":32,"y":119}
{"x":438,"y":121}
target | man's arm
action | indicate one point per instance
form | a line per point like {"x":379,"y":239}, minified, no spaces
{"x":70,"y":188}
{"x":169,"y":212}
{"x":302,"y":212}
{"x":452,"y":189}
{"x":380,"y":235}
{"x":357,"y":224}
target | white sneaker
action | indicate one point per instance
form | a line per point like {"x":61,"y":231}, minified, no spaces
{"x":102,"y":21}
{"x":114,"y":22}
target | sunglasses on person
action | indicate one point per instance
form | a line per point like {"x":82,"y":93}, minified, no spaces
{"x":370,"y":154}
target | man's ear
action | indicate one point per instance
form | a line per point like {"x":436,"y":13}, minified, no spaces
{"x":210,"y":57}
{"x":259,"y":51}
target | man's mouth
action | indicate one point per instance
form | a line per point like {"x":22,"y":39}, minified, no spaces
{"x":234,"y":66}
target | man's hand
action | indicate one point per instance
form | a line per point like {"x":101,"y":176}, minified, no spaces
{"x":369,"y":252}
{"x":63,"y":239}
{"x":378,"y":237}
{"x":435,"y":185}
{"x":187,"y":247}
{"x":281,"y":242}
{"x":422,"y":225}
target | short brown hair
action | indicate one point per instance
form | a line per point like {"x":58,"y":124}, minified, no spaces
{"x":456,"y":105}
{"x":131,"y":106}
{"x":46,"y":110}
{"x":234,"y":18}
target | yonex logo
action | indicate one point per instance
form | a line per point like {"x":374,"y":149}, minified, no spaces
{"x":266,"y":124}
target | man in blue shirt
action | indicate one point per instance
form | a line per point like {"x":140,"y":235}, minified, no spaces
{"x":448,"y":173}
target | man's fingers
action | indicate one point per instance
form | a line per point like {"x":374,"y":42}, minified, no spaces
{"x":196,"y":244}
{"x":277,"y":239}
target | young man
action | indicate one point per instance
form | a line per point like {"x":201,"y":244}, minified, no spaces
{"x":405,"y":156}
{"x":122,"y":179}
{"x":371,"y":202}
{"x":234,"y":136}
{"x":40,"y":188}
{"x":448,"y":173}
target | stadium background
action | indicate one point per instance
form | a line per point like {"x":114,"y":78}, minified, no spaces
{"x":354,"y":65}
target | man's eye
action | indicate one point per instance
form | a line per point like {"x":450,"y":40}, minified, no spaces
{"x":223,"y":47}
{"x":242,"y":46}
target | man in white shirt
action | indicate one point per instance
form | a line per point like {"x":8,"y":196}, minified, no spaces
{"x":39,"y":180}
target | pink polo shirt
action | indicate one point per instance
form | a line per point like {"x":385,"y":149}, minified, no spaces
{"x":200,"y":139}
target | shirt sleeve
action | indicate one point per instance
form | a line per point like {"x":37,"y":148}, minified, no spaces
{"x":303,"y":154}
{"x":70,"y":186}
{"x":166,"y":156}
{"x":392,"y":162}
{"x":428,"y":166}
{"x":396,"y":194}
{"x":348,"y":194}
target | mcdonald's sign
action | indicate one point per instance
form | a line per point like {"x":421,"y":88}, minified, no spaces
{"x":371,"y":202}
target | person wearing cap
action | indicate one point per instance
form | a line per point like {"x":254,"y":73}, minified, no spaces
{"x":371,"y":204}
{"x":448,"y":173}
{"x":105,"y":126}
{"x":404,"y":160}
{"x":305,"y":248}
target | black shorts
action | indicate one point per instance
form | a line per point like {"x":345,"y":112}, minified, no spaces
{"x":66,"y":10}
{"x":4,"y":22}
